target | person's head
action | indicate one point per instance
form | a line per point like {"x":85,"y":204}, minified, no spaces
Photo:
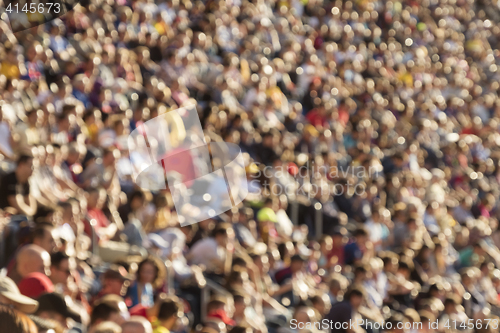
{"x":237,"y":278}
{"x":108,"y":157}
{"x":147,"y":271}
{"x":360,"y":235}
{"x":221,"y":233}
{"x":60,"y":267}
{"x":217,"y":303}
{"x":32,"y":258}
{"x":24,"y":168}
{"x":113,"y":281}
{"x":297,"y":263}
{"x":360,"y":273}
{"x":354,"y":296}
{"x":405,"y":268}
{"x":335,"y":286}
{"x":43,"y":236}
{"x":321,"y":304}
{"x":53,"y":306}
{"x":13,"y":321}
{"x":106,"y":311}
{"x":169,"y":311}
{"x":241,"y":301}
{"x":261,"y":262}
{"x":137,"y":324}
{"x":95,"y":197}
{"x":326,"y":244}
{"x":136,"y":200}
{"x":450,"y":304}
{"x":267,"y":139}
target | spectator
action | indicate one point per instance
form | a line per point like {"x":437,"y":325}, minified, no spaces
{"x":43,"y":236}
{"x":30,"y":259}
{"x":169,"y":311}
{"x":60,"y":269}
{"x":15,"y":188}
{"x":213,"y":252}
{"x":53,"y":306}
{"x":16,"y":322}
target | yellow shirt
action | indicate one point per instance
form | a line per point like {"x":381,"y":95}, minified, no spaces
{"x":11,"y":71}
{"x":157,"y":328}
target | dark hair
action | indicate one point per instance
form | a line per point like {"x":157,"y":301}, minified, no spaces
{"x":360,"y":232}
{"x":40,"y":231}
{"x":239,"y":329}
{"x":144,"y":262}
{"x":238,"y":261}
{"x":220,"y":229}
{"x":316,"y":299}
{"x":239,"y":297}
{"x":58,"y":257}
{"x":214,"y":305}
{"x":22,"y":159}
{"x":103,"y":311}
{"x":13,"y":321}
{"x":136,"y":194}
{"x":354,"y":291}
{"x":169,"y":307}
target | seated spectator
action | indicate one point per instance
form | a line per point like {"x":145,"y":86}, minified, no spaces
{"x":346,"y":311}
{"x":15,"y":188}
{"x":113,"y":281}
{"x":60,"y":269}
{"x":30,"y":259}
{"x":54,"y":307}
{"x":141,"y":290}
{"x":43,"y":236}
{"x":169,"y":311}
{"x":111,"y":309}
{"x":212,"y":252}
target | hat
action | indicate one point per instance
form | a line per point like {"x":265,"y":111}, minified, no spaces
{"x":267,"y":214}
{"x":9,"y":290}
{"x":252,"y":168}
{"x":35,"y":284}
{"x":56,"y":303}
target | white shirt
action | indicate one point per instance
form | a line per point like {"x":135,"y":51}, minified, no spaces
{"x":4,"y":139}
{"x":207,"y":252}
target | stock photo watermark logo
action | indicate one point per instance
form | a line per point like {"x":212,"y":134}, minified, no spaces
{"x":205,"y":179}
{"x":26,"y":14}
{"x":300,"y":182}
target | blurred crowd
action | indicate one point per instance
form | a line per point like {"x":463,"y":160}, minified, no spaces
{"x":370,"y":133}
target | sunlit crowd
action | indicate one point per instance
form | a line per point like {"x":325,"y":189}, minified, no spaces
{"x":370,"y":136}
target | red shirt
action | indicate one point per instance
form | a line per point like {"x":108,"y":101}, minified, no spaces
{"x":101,"y":220}
{"x":339,"y":253}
